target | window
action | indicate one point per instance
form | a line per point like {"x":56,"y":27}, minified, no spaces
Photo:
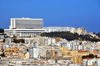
{"x":68,"y":53}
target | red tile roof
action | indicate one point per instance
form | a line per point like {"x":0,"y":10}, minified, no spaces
{"x":15,"y":47}
{"x":61,"y":64}
{"x":82,"y":51}
{"x":32,"y":62}
{"x":87,"y":58}
{"x":48,"y":62}
{"x":24,"y":62}
{"x":40,"y":62}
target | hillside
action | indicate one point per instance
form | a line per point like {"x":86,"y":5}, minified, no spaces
{"x":70,"y":36}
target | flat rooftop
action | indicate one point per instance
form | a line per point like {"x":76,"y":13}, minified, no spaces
{"x":27,"y":18}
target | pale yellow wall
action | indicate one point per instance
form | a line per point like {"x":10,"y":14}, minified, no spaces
{"x":83,"y":53}
{"x":94,"y":52}
{"x":27,"y":55}
{"x":79,"y":31}
{"x":73,"y":30}
{"x":68,"y":53}
{"x":77,"y":60}
{"x":76,"y":56}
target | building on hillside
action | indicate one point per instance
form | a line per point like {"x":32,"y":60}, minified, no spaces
{"x":58,"y":39}
{"x":22,"y":33}
{"x":81,"y":31}
{"x":2,"y":35}
{"x":57,"y":29}
{"x":77,"y":59}
{"x":25,"y":27}
{"x":39,"y":40}
{"x":26,"y":23}
{"x":55,"y":54}
{"x":33,"y":52}
{"x":91,"y":62}
{"x":5,"y":47}
{"x":49,"y":41}
{"x":8,"y":41}
{"x":27,"y":55}
{"x":1,"y":49}
{"x":73,"y":30}
{"x":69,"y":53}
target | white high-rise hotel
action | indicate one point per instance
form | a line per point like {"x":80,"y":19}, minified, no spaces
{"x":24,"y":27}
{"x":26,"y":23}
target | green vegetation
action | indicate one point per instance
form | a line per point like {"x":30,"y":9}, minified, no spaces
{"x":3,"y":54}
{"x":98,"y":34}
{"x":1,"y":30}
{"x":89,"y":56}
{"x":19,"y":40}
{"x":70,"y":36}
{"x":16,"y":41}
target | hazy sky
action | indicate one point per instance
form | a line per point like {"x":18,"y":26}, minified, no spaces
{"x":62,"y":13}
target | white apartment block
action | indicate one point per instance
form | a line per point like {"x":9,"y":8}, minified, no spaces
{"x":33,"y":52}
{"x":25,"y":27}
{"x":23,"y":32}
{"x":58,"y":29}
{"x":2,"y":35}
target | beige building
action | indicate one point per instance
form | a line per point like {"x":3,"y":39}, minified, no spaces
{"x":55,"y":54}
{"x":79,"y":30}
{"x":27,"y":55}
{"x":73,"y":30}
{"x":30,"y":40}
{"x":77,"y":60}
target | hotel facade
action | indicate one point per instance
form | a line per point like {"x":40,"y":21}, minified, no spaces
{"x":24,"y":27}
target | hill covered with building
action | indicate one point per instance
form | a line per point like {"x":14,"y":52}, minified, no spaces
{"x":70,"y":36}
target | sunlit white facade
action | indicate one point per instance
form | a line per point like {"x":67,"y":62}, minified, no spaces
{"x":33,"y":52}
{"x":26,"y":23}
{"x":58,"y":29}
{"x":23,"y":32}
{"x":25,"y":27}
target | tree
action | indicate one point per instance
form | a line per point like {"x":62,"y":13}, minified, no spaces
{"x":94,"y":33}
{"x":1,"y":30}
{"x":7,"y":36}
{"x":83,"y":56}
{"x":95,"y":56}
{"x":27,"y":49}
{"x":16,"y":41}
{"x":3,"y":54}
{"x":14,"y":37}
{"x":70,"y":36}
{"x":4,"y":40}
{"x":87,"y":56}
{"x":22,"y":40}
{"x":91,"y":55}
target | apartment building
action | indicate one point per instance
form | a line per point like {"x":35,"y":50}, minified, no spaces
{"x":79,"y":30}
{"x":57,"y":29}
{"x":23,"y":32}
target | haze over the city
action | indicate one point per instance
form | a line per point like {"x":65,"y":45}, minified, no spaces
{"x":66,"y":13}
